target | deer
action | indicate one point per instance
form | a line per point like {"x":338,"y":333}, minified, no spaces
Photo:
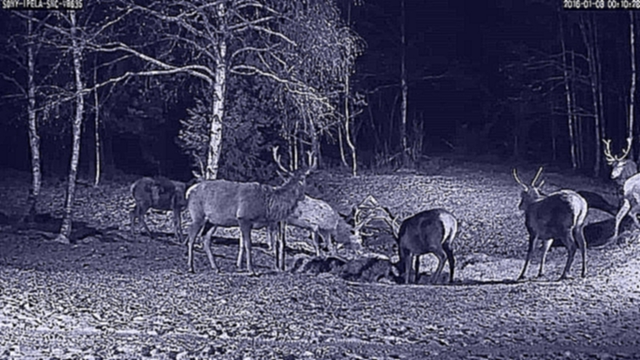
{"x":319,"y":218}
{"x":624,"y":173}
{"x":247,"y":205}
{"x":314,"y":215}
{"x":431,"y":231}
{"x":559,"y":215}
{"x":622,"y":167}
{"x":158,"y":193}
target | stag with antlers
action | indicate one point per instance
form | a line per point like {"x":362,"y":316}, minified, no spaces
{"x":624,"y":173}
{"x":559,"y":215}
{"x":622,"y":168}
{"x":247,"y":205}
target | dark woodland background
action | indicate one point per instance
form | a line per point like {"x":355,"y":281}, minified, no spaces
{"x":487,"y":80}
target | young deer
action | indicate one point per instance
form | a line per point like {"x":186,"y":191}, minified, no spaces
{"x":247,"y":205}
{"x":625,"y":173}
{"x":158,"y":193}
{"x":431,"y":231}
{"x":559,"y":215}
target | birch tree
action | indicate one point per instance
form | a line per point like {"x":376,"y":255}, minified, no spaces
{"x":76,"y":49}
{"x":212,"y":40}
{"x":25,"y":49}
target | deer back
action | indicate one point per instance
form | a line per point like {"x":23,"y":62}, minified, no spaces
{"x":158,"y":193}
{"x":314,"y":214}
{"x":553,"y":215}
{"x":224,"y":202}
{"x":631,"y":187}
{"x":425,"y":232}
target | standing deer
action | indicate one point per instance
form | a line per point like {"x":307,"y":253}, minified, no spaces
{"x":314,"y":215}
{"x":247,"y":205}
{"x":430,"y":231}
{"x":559,"y":215}
{"x":624,"y":173}
{"x":158,"y":193}
{"x":621,"y":168}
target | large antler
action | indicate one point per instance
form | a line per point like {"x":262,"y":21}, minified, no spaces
{"x":610,"y":157}
{"x":535,"y":178}
{"x":515,"y":176}
{"x":277,"y":158}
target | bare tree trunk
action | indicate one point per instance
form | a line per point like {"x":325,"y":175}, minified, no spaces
{"x":600,"y":95}
{"x":347,"y":127}
{"x":632,"y":89}
{"x":567,"y":92}
{"x":404,"y":89}
{"x":576,"y":118}
{"x":588,"y":37}
{"x":342,"y":156}
{"x":219,"y":93}
{"x":96,"y":105}
{"x":65,"y":229}
{"x":34,"y":138}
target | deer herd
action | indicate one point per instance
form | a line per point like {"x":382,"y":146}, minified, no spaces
{"x":557,"y":216}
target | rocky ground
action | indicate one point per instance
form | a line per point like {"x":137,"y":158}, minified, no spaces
{"x":111,"y":295}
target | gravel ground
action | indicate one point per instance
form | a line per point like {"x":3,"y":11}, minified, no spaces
{"x":123,"y":297}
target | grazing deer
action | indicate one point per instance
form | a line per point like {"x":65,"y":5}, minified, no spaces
{"x":430,"y":231}
{"x":314,"y":215}
{"x":559,"y":215}
{"x":624,"y":173}
{"x":158,"y":193}
{"x":247,"y":205}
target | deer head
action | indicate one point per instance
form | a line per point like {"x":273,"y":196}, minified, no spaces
{"x":530,"y":193}
{"x":622,"y":168}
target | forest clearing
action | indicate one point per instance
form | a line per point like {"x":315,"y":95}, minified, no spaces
{"x":108,"y":295}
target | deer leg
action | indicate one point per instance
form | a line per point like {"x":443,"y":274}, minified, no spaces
{"x":271,"y":241}
{"x":624,"y":209}
{"x":141,"y":216}
{"x":281,"y":245}
{"x":441,"y":259}
{"x":330,"y":236}
{"x":316,"y":241}
{"x":545,"y":250}
{"x":193,"y":231}
{"x":571,"y":252}
{"x":452,"y":261}
{"x":132,"y":216}
{"x":532,"y":240}
{"x":241,"y":248}
{"x":245,"y":244}
{"x":408,"y":267}
{"x":177,"y":224}
{"x":207,"y":249}
{"x":582,"y":245}
{"x":415,"y":267}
